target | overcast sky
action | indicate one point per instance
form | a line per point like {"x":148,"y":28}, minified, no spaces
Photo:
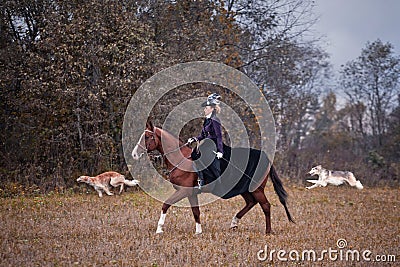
{"x":349,"y":24}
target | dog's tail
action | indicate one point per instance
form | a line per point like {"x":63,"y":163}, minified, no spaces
{"x":280,"y":191}
{"x":359,"y":185}
{"x":131,"y":182}
{"x":354,"y":182}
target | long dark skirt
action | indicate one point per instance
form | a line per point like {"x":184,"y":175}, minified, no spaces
{"x":240,"y":170}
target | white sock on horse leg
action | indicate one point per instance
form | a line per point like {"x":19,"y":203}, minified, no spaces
{"x":161,"y":222}
{"x":198,"y":228}
{"x":235,"y":221}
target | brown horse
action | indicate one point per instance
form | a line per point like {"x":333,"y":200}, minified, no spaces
{"x":181,"y":174}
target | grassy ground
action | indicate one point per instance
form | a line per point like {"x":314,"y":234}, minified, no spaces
{"x":84,"y":230}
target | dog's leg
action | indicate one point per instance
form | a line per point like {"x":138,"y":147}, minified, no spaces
{"x":98,"y":191}
{"x":359,"y":185}
{"x":105,"y":188}
{"x":351,"y":179}
{"x":108,"y":191}
{"x":313,"y":186}
{"x":318,"y":183}
{"x":119,"y":181}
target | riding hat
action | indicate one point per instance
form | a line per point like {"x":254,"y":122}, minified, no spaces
{"x":212,"y":100}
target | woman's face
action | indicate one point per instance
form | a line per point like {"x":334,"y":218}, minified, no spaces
{"x":208,"y":110}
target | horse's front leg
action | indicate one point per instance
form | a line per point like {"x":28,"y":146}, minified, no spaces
{"x":174,"y":198}
{"x":194,"y":203}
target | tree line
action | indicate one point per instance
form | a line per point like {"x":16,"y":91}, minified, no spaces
{"x":69,"y":68}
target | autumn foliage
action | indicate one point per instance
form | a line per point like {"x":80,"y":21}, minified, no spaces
{"x":69,"y":69}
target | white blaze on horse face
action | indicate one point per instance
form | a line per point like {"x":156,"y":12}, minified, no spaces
{"x":137,"y":151}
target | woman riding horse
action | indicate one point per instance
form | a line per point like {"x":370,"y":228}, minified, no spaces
{"x":211,"y":130}
{"x":179,"y":164}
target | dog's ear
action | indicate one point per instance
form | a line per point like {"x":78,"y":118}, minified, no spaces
{"x":319,"y":166}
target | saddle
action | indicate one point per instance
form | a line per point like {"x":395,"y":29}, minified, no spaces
{"x":203,"y":155}
{"x":241,"y":169}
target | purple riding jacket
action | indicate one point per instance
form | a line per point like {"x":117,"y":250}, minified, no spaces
{"x":212,"y":129}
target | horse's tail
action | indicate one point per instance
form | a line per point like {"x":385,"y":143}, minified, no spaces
{"x":280,"y":191}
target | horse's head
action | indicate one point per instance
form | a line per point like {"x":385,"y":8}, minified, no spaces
{"x":148,"y":141}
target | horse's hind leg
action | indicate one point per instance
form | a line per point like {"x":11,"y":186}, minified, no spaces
{"x":250,"y":202}
{"x":260,"y":197}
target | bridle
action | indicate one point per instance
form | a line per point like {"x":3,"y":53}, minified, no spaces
{"x":146,"y":149}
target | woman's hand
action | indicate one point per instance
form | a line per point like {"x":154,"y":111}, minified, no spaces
{"x":191,"y":140}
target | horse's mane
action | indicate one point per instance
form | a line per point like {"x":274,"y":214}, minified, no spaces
{"x":165,"y":132}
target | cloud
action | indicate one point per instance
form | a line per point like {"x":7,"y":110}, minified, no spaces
{"x":349,"y":24}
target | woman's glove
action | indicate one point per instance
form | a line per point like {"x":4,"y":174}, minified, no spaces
{"x":191,"y":140}
{"x":219,"y":155}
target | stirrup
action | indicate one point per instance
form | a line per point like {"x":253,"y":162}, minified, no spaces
{"x":200,"y":183}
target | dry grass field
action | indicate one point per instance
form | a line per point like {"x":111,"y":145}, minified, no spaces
{"x":84,"y":230}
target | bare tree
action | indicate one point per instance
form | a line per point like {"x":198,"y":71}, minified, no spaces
{"x":373,"y":79}
{"x":265,"y":22}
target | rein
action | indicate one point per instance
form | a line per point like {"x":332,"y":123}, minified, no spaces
{"x":180,"y":162}
{"x":166,"y":153}
{"x":183,"y":160}
{"x":175,"y":167}
{"x":140,"y":140}
{"x":176,"y":149}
